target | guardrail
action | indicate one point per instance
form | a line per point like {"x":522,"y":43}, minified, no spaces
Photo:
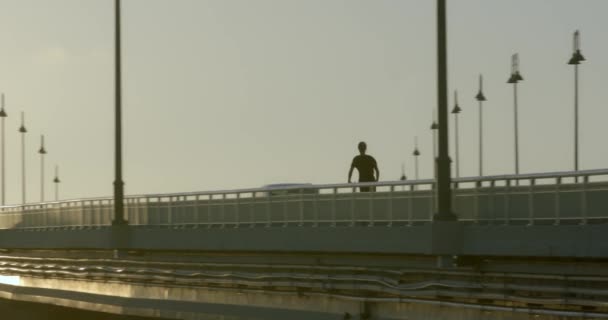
{"x":543,"y":198}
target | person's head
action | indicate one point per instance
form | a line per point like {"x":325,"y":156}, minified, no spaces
{"x":362,"y":147}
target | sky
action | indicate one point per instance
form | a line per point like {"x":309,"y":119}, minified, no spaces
{"x":228,"y":94}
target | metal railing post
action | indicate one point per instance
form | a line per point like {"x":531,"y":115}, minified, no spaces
{"x":223,"y":210}
{"x":410,"y":204}
{"x":371,"y":208}
{"x":237,"y":209}
{"x":476,"y":201}
{"x":531,"y":202}
{"x":584,"y":200}
{"x":268,"y":218}
{"x":333,"y":207}
{"x":285,"y":199}
{"x":252,"y":210}
{"x":352,"y":206}
{"x":301,"y":208}
{"x":558,"y":182}
{"x":390,"y":205}
{"x":507,"y":201}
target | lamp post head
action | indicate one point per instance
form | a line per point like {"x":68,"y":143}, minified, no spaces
{"x":416,"y":152}
{"x":577,"y":56}
{"x":403,"y":177}
{"x":480,"y":96}
{"x":22,"y":129}
{"x":56,"y":180}
{"x":456,"y":107}
{"x":2,"y":112}
{"x":42,"y":150}
{"x":434,"y":126}
{"x":515,"y":75}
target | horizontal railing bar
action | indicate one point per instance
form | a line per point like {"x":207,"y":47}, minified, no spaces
{"x":546,"y":175}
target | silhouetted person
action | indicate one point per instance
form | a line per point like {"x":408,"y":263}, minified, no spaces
{"x":366,"y":165}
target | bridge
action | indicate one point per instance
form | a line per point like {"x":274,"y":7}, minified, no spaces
{"x":523,"y":245}
{"x":489,"y":247}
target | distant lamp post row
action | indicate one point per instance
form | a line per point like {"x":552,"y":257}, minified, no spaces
{"x":42,"y":151}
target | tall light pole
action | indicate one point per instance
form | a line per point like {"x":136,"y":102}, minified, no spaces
{"x":444,"y":190}
{"x":56,"y":181}
{"x":456,"y":111}
{"x":23,"y":131}
{"x":575,"y":60}
{"x":3,"y":115}
{"x":42,"y":152}
{"x":514,"y":79}
{"x":416,"y":154}
{"x":118,"y":182}
{"x":480,"y":98}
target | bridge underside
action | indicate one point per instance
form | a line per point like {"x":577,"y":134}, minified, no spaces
{"x":501,"y":271}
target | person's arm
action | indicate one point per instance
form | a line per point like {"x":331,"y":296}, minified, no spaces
{"x":377,"y":171}
{"x":350,"y":173}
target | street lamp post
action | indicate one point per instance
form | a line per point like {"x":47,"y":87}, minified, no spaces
{"x":456,"y":111}
{"x":23,"y":131}
{"x":444,"y":190}
{"x":514,"y":79}
{"x":480,"y":97}
{"x":3,"y":115}
{"x":56,"y":181}
{"x":416,"y":154}
{"x":42,"y":152}
{"x":575,"y":60}
{"x":118,"y":182}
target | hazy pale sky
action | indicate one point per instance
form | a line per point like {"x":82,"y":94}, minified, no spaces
{"x":224,"y":94}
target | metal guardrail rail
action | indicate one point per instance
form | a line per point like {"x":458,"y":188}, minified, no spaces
{"x":542,"y":198}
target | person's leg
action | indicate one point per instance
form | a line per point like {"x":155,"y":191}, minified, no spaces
{"x":364,"y":189}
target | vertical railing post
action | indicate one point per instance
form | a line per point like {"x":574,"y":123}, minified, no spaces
{"x":333,"y":206}
{"x":507,"y":201}
{"x":531,"y":201}
{"x":492,"y":200}
{"x":558,"y":182}
{"x":390,"y":205}
{"x":371,"y":207}
{"x":410,"y":205}
{"x":170,"y":211}
{"x":352,"y":206}
{"x":223,"y":210}
{"x":584,"y":200}
{"x":301,"y":208}
{"x":238,"y":209}
{"x":268,"y":211}
{"x":209,"y":201}
{"x":476,"y":201}
{"x":252,"y":209}
{"x":285,"y":199}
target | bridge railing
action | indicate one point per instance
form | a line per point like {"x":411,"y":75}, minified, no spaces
{"x":546,"y":198}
